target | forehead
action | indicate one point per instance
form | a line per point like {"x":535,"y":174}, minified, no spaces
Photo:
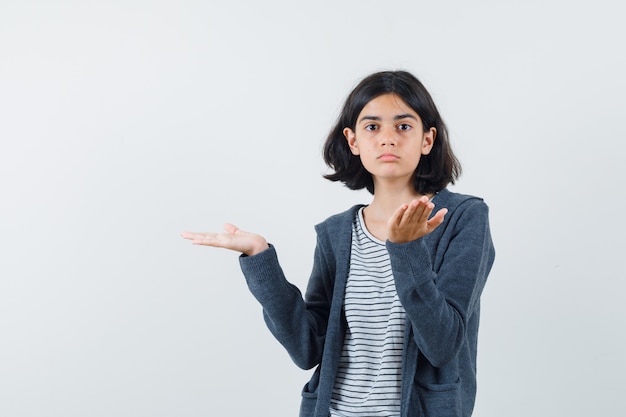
{"x":387,"y":106}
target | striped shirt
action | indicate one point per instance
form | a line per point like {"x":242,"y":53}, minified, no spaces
{"x":369,"y":374}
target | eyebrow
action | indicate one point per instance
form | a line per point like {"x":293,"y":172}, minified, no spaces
{"x":398,"y":117}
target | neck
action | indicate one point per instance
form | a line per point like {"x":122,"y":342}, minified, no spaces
{"x":388,"y":199}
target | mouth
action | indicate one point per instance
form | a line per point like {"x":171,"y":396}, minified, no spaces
{"x":388,"y":157}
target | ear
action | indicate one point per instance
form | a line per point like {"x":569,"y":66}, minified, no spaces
{"x":428,"y":140}
{"x":351,"y":138}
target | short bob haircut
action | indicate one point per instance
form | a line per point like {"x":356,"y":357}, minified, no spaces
{"x":434,"y":171}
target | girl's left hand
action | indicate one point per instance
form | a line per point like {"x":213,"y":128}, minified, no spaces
{"x":410,"y":221}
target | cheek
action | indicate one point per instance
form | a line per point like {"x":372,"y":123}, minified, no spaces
{"x":366,"y":159}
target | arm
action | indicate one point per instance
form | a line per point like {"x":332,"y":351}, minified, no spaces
{"x":298,"y":325}
{"x":439,"y":304}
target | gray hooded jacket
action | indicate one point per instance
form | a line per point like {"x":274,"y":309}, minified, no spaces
{"x":439,"y":279}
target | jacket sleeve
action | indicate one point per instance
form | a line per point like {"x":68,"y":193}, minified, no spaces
{"x":439,"y":304}
{"x":299,"y":325}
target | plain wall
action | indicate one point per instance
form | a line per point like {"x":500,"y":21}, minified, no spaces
{"x":124,"y":123}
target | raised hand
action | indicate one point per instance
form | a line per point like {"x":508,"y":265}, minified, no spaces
{"x":234,"y":239}
{"x":410,"y":221}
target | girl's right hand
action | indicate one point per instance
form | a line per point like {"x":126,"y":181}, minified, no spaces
{"x":234,"y":239}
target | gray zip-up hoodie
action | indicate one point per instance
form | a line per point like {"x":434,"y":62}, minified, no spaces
{"x":439,"y":279}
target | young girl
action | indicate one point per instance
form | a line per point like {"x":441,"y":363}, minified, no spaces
{"x":391,"y":310}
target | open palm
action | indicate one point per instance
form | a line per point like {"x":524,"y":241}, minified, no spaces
{"x":233,"y":239}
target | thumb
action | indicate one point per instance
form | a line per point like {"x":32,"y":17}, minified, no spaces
{"x":231,"y":228}
{"x":438,"y":218}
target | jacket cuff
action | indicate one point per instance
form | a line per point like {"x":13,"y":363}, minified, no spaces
{"x":410,"y":261}
{"x":260,"y":268}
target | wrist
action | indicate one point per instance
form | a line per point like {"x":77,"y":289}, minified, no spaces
{"x":258,"y":248}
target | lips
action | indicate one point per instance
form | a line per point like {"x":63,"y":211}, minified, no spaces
{"x":388,"y":157}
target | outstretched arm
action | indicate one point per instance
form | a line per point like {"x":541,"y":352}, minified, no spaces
{"x":298,"y":325}
{"x":234,"y":239}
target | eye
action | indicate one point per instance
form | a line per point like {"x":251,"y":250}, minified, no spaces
{"x":404,"y":126}
{"x":371,"y":127}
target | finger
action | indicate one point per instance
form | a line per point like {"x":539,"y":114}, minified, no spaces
{"x":231,"y":228}
{"x":206,"y":239}
{"x":427,"y":209}
{"x":437,"y":219}
{"x":193,"y":235}
{"x":398,"y":215}
{"x":414,"y":212}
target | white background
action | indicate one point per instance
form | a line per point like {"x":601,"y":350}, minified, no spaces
{"x":124,"y":123}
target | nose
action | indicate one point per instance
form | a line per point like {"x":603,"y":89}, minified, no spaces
{"x":387,"y":136}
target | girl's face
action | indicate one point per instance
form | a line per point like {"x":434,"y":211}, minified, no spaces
{"x":389,"y":138}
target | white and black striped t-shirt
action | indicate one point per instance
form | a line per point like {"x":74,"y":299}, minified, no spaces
{"x":369,"y":374}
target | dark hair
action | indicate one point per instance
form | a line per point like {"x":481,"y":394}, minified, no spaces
{"x":435,"y":170}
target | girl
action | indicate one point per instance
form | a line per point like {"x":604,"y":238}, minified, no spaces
{"x":390,"y":314}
